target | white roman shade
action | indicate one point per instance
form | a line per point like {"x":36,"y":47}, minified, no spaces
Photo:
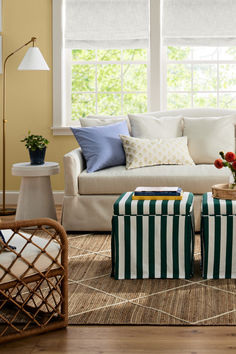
{"x":106,"y":23}
{"x":199,"y":22}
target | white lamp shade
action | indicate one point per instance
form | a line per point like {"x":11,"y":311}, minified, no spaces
{"x":33,"y":60}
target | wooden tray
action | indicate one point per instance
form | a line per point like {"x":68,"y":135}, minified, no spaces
{"x":222,"y":191}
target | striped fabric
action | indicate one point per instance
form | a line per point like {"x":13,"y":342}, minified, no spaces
{"x":218,"y":246}
{"x":214,"y":206}
{"x":152,"y":246}
{"x":124,"y":205}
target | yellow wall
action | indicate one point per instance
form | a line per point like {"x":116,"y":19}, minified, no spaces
{"x":29,"y":94}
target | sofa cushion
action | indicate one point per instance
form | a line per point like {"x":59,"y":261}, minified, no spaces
{"x":29,"y":251}
{"x":92,"y":121}
{"x":208,"y":136}
{"x":197,"y":179}
{"x":151,"y":127}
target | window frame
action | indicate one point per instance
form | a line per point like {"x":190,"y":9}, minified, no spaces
{"x":191,"y":92}
{"x":96,"y":92}
{"x":61,"y":92}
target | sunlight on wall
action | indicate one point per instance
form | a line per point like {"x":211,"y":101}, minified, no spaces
{"x":29,"y":94}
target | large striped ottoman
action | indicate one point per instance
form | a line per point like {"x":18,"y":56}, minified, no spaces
{"x":218,"y":231}
{"x":152,"y":238}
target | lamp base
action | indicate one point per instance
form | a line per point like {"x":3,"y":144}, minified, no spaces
{"x":7,"y":211}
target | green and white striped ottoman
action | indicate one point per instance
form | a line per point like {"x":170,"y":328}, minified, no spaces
{"x":152,"y":238}
{"x":218,"y":232}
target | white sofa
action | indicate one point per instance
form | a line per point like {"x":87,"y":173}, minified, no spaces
{"x":89,"y":197}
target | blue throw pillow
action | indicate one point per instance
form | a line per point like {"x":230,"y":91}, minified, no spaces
{"x":101,"y":145}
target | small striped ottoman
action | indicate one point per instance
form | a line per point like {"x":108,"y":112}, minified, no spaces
{"x":152,"y":238}
{"x":218,"y":231}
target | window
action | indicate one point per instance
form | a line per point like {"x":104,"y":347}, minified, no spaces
{"x":200,"y":77}
{"x":200,"y":53}
{"x":127,"y":24}
{"x":90,"y":80}
{"x":107,"y":82}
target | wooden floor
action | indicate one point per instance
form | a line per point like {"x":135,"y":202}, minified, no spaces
{"x":116,"y":339}
{"x":127,"y":339}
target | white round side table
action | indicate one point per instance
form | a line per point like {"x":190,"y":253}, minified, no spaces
{"x":35,"y":198}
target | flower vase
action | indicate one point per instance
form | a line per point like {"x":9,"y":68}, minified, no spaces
{"x":232,"y":181}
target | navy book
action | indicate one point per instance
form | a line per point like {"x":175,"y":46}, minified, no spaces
{"x":158,"y":191}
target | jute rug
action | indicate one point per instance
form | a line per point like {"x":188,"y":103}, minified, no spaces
{"x":96,"y":298}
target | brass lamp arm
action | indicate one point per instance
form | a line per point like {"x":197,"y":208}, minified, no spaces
{"x":33,"y":39}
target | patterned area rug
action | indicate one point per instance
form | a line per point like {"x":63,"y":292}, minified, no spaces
{"x":96,"y":298}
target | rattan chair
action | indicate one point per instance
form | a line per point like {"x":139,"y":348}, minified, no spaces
{"x":33,"y":278}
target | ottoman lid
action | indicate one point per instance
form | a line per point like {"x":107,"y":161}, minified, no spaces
{"x":125,"y":205}
{"x":215,"y":206}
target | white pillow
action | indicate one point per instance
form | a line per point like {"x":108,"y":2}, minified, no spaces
{"x":150,"y":127}
{"x":208,"y":136}
{"x":149,"y":152}
{"x":92,"y":121}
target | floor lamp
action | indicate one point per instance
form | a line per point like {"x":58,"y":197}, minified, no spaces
{"x":33,"y":60}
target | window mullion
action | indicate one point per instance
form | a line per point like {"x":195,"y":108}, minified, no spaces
{"x":218,"y":82}
{"x":164,"y":91}
{"x":192,"y":78}
{"x":96,"y":82}
{"x":90,"y":62}
{"x":122,"y":84}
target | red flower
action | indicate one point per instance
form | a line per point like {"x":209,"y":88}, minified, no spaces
{"x":234,"y":165}
{"x":219,"y":163}
{"x":230,"y":156}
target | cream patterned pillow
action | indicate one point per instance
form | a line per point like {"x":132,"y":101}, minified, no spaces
{"x":149,"y":152}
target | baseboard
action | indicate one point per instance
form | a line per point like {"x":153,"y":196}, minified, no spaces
{"x":12,"y":197}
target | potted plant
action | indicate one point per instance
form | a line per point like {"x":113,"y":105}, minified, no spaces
{"x":36,"y":144}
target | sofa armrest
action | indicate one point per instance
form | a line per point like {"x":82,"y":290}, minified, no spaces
{"x":74,"y":164}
